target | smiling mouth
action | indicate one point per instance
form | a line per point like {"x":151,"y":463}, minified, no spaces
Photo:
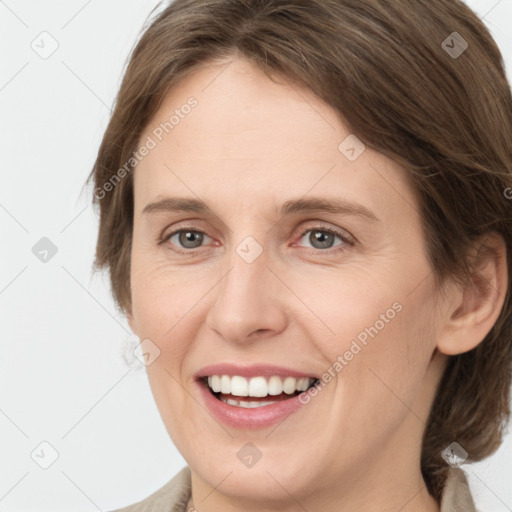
{"x":256,"y":391}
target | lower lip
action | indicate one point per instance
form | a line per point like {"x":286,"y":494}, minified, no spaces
{"x":245,"y":418}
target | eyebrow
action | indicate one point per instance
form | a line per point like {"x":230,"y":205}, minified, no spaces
{"x":293,"y":206}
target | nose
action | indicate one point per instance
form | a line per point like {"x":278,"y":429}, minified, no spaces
{"x":249,"y":301}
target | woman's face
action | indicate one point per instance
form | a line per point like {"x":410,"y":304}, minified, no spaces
{"x":307,"y":260}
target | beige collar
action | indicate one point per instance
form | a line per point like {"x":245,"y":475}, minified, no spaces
{"x":175,"y":495}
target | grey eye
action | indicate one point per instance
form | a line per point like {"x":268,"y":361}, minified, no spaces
{"x":188,"y":239}
{"x":321,"y":238}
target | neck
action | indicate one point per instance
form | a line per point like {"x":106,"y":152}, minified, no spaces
{"x":413,"y":498}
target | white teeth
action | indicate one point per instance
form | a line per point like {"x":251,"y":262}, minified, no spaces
{"x":275,"y":386}
{"x":245,"y":404}
{"x":257,"y":386}
{"x":214,"y":383}
{"x":289,"y":385}
{"x":239,"y":386}
{"x":225,"y":384}
{"x":303,"y":383}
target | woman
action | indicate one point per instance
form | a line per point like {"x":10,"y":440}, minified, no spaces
{"x":304,"y":213}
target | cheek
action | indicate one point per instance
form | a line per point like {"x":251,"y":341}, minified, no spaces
{"x":388,"y":371}
{"x":161,"y":297}
{"x":373,"y":332}
{"x":346,"y":304}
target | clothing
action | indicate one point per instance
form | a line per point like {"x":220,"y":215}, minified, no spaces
{"x":174,"y":495}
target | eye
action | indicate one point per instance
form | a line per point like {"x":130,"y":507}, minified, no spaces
{"x":185,"y":238}
{"x":322,"y":238}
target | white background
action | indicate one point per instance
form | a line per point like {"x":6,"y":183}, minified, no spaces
{"x":63,"y":379}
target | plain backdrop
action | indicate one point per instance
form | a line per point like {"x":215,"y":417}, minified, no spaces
{"x":69,"y":400}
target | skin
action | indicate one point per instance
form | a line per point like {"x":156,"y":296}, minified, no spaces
{"x":250,"y":145}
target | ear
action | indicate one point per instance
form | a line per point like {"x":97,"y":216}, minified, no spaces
{"x":475,"y":307}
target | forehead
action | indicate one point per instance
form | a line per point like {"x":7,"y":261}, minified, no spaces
{"x":236,"y":101}
{"x":248,"y":136}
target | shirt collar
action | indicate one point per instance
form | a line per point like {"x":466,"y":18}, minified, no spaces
{"x":456,"y":495}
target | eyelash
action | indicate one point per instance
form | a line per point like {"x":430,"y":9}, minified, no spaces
{"x":332,"y":250}
{"x":347,"y":240}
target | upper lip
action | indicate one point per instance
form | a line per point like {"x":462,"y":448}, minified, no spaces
{"x":252,"y":370}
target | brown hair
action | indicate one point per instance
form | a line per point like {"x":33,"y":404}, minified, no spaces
{"x":388,"y":68}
